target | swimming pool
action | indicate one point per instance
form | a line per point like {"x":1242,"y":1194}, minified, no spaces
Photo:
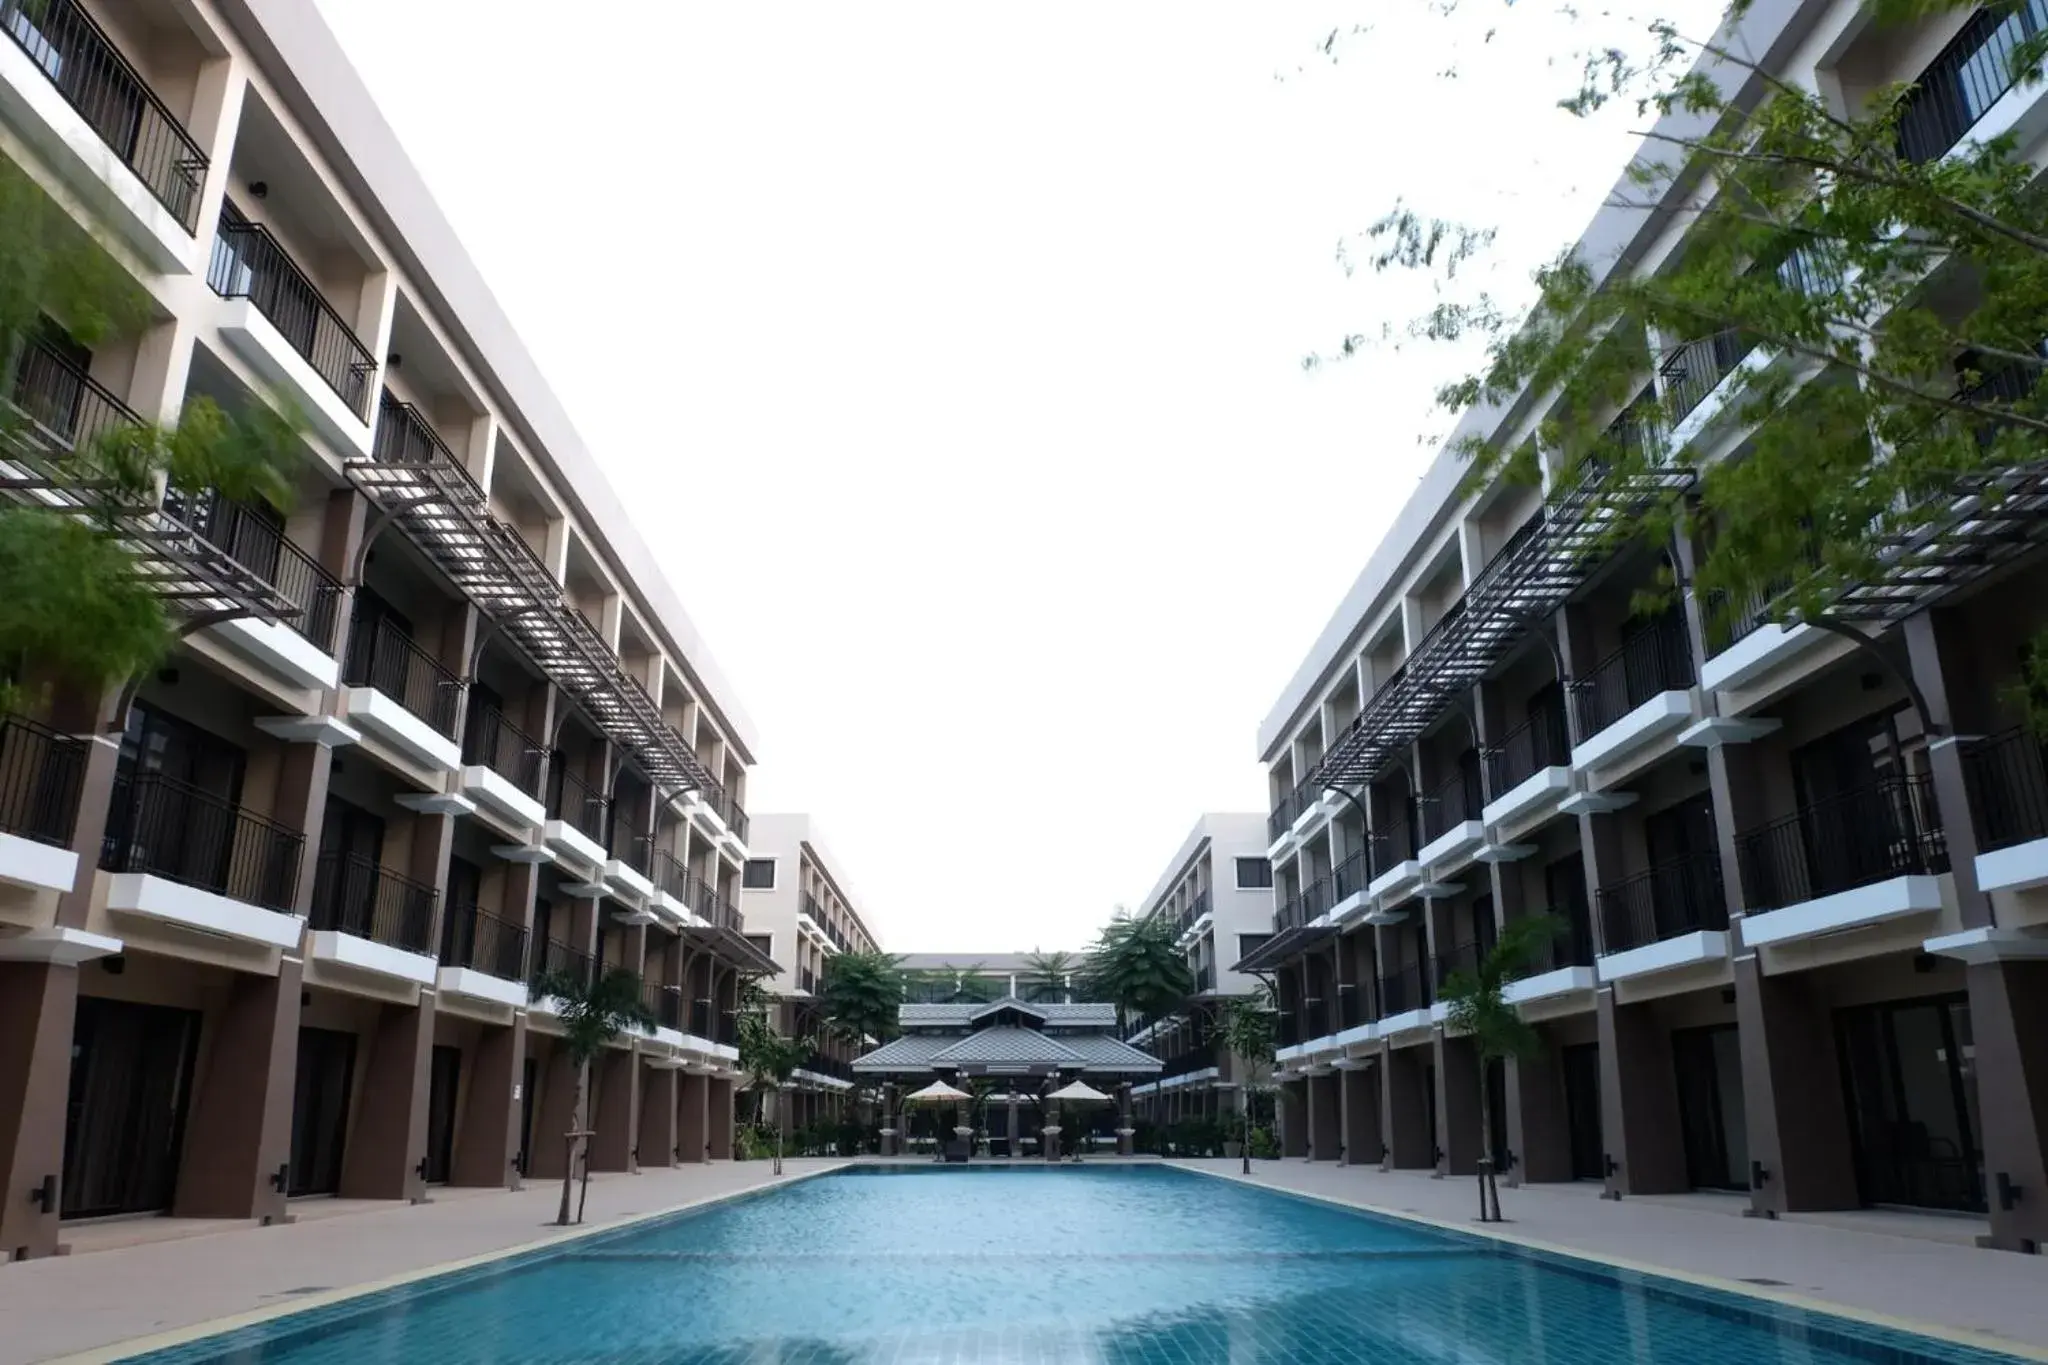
{"x":1131,"y":1265}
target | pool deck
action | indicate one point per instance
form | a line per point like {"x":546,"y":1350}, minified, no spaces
{"x":129,"y":1286}
{"x":1920,"y":1272}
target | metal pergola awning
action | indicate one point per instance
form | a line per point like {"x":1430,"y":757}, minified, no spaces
{"x":1990,"y":519}
{"x":1285,"y":946}
{"x":1533,"y":575}
{"x":732,"y":946}
{"x":440,"y":508}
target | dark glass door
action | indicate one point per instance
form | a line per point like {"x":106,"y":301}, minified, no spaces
{"x":1581,"y":1065}
{"x":1709,"y":1066}
{"x":327,"y":1063}
{"x":1908,"y":1067}
{"x":1680,"y":838}
{"x":443,"y":1085}
{"x":131,"y":1075}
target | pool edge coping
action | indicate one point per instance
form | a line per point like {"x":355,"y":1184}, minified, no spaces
{"x":253,"y":1317}
{"x":1955,"y":1336}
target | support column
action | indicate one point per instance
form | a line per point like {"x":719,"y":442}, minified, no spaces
{"x":1361,"y":1116}
{"x":719,"y":1120}
{"x":1457,"y":1106}
{"x":2009,"y":1026}
{"x":657,"y":1116}
{"x":693,"y":1124}
{"x":1539,"y":1125}
{"x":1293,"y":1101}
{"x":553,"y":1115}
{"x":38,"y":1009}
{"x":1325,"y":1121}
{"x":238,"y":1137}
{"x":89,"y":831}
{"x":487,"y":1143}
{"x":1125,"y":1134}
{"x":387,"y":1146}
{"x":1638,"y":1102}
{"x":1404,"y":1110}
{"x":615,"y":1074}
{"x":1795,"y":1112}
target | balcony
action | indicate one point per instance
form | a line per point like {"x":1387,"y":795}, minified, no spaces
{"x":401,"y":694}
{"x":373,"y":920}
{"x":1965,"y":79}
{"x":1396,"y":870}
{"x":629,"y":871}
{"x":42,"y":773}
{"x":1350,"y":881}
{"x":1450,"y":820}
{"x":502,"y":768}
{"x":1673,"y":915}
{"x":1861,"y":858}
{"x":821,"y":924}
{"x":1405,"y":999}
{"x":576,"y":821}
{"x":278,"y":321}
{"x":555,"y":958}
{"x":707,"y":905}
{"x":1530,"y":769}
{"x":665,"y":1006}
{"x":298,"y":649}
{"x":1560,"y":972}
{"x":1692,"y":371}
{"x":1291,"y":812}
{"x":70,"y":92}
{"x":483,"y":957}
{"x":191,"y":859}
{"x":2008,"y":783}
{"x":1635,"y":696}
{"x":69,"y":406}
{"x":731,"y":820}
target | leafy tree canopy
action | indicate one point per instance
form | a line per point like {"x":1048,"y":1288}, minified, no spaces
{"x":861,"y":995}
{"x":1136,"y":966}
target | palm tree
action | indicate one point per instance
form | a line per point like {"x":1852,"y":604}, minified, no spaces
{"x":771,"y":1058}
{"x":1477,"y":1007}
{"x":592,"y":1011}
{"x":1250,"y":1027}
{"x":1048,"y":976}
{"x":861,"y":995}
{"x":1136,"y":967}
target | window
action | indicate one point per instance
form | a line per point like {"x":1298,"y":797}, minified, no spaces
{"x":760,"y":875}
{"x":1247,"y":944}
{"x":1254,"y":874}
{"x":765,"y":942}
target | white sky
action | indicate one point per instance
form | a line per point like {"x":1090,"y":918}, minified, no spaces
{"x":950,"y":357}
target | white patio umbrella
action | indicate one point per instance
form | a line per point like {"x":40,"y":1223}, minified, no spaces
{"x":1075,"y":1092}
{"x":938,"y":1092}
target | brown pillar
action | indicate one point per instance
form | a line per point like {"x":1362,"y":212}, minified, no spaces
{"x":2009,"y":1025}
{"x":239,"y":1135}
{"x":615,"y":1075}
{"x":1638,"y":1102}
{"x":719,"y":1141}
{"x":301,"y":804}
{"x":1794,"y":1110}
{"x":1539,"y":1127}
{"x":96,"y":793}
{"x":554,"y":1114}
{"x":387,"y":1144}
{"x":657,"y":1116}
{"x":487,"y":1142}
{"x":1360,"y":1096}
{"x":1404,"y":1110}
{"x":1325,"y":1121}
{"x":38,"y":1008}
{"x":1293,"y":1117}
{"x":1457,"y":1106}
{"x":693,"y":1121}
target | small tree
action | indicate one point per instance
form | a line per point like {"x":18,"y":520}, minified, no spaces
{"x":1136,"y":966}
{"x":592,"y":1011}
{"x":861,"y":995}
{"x":1479,"y":1009}
{"x":1250,"y":1028}
{"x":1048,"y":976}
{"x":771,"y":1058}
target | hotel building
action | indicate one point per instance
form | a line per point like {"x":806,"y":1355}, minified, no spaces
{"x":1801,"y":879}
{"x":268,"y":917}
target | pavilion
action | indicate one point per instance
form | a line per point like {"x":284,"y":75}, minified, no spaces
{"x":1010,"y":1054}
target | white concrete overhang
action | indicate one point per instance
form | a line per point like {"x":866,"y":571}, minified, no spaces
{"x":1396,"y":881}
{"x":1550,"y":985}
{"x":279,"y":649}
{"x":326,"y":731}
{"x":1666,"y":955}
{"x":36,"y":865}
{"x":1352,"y":905}
{"x":374,"y":713}
{"x":476,"y":985}
{"x":627,"y":880}
{"x":1278,"y":848}
{"x":490,"y":788}
{"x":1534,"y":794}
{"x":1453,"y":844}
{"x":1383,"y":914}
{"x":207,"y":912}
{"x":1661,"y":715}
{"x":368,"y":955}
{"x":1360,"y":1036}
{"x":573,"y":844}
{"x":2018,"y":868}
{"x":1856,"y":908}
{"x":436,"y":803}
{"x":1595,"y":803}
{"x":58,"y":946}
{"x":1407,"y":1021}
{"x":1990,"y":945}
{"x":1756,"y":654}
{"x":256,"y":339}
{"x":1711,"y":732}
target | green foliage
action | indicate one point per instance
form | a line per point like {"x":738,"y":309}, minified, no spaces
{"x":74,"y":608}
{"x":1264,"y":1146}
{"x":53,"y":267}
{"x":1251,"y":1027}
{"x":1475,"y":1001}
{"x":753,"y":1141}
{"x":594,"y":1012}
{"x":1135,"y":966}
{"x":1046,"y":975}
{"x":1892,"y":313}
{"x":861,"y":995}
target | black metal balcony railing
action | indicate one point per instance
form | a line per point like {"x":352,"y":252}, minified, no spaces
{"x":820,"y":1063}
{"x":1392,"y":845}
{"x":1351,"y":875}
{"x":704,"y":900}
{"x":703,"y":1023}
{"x":62,"y":399}
{"x":664,"y":1003}
{"x":1289,"y":915}
{"x":728,"y":809}
{"x":1656,"y":659}
{"x":382,"y":656}
{"x":1286,"y":1027}
{"x":1205,"y":979}
{"x":1315,"y":1019}
{"x":821,"y":918}
{"x":556,"y":958}
{"x":171,"y":829}
{"x":248,"y":263}
{"x":2007,"y":776}
{"x":405,"y":436}
{"x":41,"y":775}
{"x":1887,"y":829}
{"x":1405,"y":989}
{"x":1676,"y":897}
{"x":262,"y":547}
{"x":1571,"y":946}
{"x":111,"y":96}
{"x":1965,"y":79}
{"x":1289,"y":808}
{"x":1537,"y":743}
{"x":493,"y":742}
{"x":1463,"y":958}
{"x":806,"y":980}
{"x":1728,"y":624}
{"x":355,"y":896}
{"x":1695,"y":369}
{"x":576,"y":804}
{"x":484,"y":942}
{"x":1354,"y":1003}
{"x":671,"y":876}
{"x":634,"y":849}
{"x":1451,"y":804}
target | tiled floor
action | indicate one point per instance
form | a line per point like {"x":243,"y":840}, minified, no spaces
{"x":1889,"y":1265}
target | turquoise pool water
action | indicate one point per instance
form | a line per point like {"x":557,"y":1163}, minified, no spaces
{"x":1120,"y":1265}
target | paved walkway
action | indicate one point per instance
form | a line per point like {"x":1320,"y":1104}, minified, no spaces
{"x":1900,"y":1269}
{"x":63,"y":1305}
